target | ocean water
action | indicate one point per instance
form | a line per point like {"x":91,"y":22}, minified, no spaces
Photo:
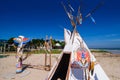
{"x":114,"y":51}
{"x":111,"y":50}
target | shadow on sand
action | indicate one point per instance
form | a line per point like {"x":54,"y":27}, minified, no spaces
{"x":39,"y":67}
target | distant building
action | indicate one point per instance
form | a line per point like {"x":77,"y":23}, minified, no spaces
{"x":58,"y":46}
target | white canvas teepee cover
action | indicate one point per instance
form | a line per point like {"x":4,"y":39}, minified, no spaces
{"x":72,"y":44}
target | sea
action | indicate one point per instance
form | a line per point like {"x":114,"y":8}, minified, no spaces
{"x":111,"y":50}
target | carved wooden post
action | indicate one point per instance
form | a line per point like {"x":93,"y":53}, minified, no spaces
{"x":46,"y":45}
{"x":50,"y":51}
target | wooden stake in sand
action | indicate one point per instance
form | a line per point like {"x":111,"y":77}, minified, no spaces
{"x":48,"y":48}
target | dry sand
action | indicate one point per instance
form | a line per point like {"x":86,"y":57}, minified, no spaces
{"x":110,"y":63}
{"x":35,"y":71}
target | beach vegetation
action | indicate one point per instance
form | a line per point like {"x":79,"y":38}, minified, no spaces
{"x":43,"y":51}
{"x":98,"y":50}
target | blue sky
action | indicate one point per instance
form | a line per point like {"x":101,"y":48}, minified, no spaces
{"x":38,"y":18}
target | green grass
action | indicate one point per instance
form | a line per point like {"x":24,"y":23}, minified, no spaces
{"x":3,"y":56}
{"x":98,"y":51}
{"x":55,"y":51}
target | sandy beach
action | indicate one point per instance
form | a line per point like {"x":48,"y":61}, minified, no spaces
{"x":34,"y":66}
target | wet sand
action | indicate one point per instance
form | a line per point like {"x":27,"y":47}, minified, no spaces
{"x":34,"y":66}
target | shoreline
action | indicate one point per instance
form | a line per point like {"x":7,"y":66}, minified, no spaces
{"x":108,"y":50}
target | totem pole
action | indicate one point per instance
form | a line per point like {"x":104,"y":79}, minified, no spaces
{"x":48,"y":48}
{"x":20,"y":41}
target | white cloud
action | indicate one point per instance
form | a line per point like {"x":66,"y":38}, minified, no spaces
{"x":112,"y":35}
{"x":115,"y":40}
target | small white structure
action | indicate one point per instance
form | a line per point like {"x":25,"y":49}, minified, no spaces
{"x":57,"y":44}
